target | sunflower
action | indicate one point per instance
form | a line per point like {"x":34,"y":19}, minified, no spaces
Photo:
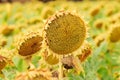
{"x":114,"y":34}
{"x":31,"y":44}
{"x":65,"y":32}
{"x":3,"y":62}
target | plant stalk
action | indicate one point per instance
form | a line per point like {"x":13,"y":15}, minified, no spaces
{"x":60,"y":67}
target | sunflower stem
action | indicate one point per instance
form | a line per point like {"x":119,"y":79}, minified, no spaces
{"x":60,"y":67}
{"x":28,"y":61}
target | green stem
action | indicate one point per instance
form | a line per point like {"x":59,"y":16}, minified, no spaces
{"x":28,"y":61}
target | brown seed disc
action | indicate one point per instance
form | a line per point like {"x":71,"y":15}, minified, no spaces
{"x":31,"y":44}
{"x":65,"y":32}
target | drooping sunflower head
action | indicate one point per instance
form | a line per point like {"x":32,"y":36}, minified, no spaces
{"x":99,"y":39}
{"x":114,"y":34}
{"x":5,"y":30}
{"x":3,"y":41}
{"x":65,"y":32}
{"x":2,"y":62}
{"x":30,"y":44}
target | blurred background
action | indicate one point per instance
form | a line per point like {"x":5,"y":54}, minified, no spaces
{"x":32,"y":0}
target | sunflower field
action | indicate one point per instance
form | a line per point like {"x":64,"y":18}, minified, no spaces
{"x":60,"y":40}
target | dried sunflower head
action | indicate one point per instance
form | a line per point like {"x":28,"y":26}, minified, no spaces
{"x":109,"y":12}
{"x":114,"y":19}
{"x":8,"y":55}
{"x":99,"y":23}
{"x":65,"y":32}
{"x":3,"y":41}
{"x":109,"y":9}
{"x":50,"y":58}
{"x":99,"y":39}
{"x":114,"y":34}
{"x":6,"y":29}
{"x":2,"y":62}
{"x":31,"y":44}
{"x":35,"y":74}
{"x":94,"y":11}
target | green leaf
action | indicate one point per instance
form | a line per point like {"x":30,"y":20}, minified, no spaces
{"x":19,"y":63}
{"x":35,"y":60}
